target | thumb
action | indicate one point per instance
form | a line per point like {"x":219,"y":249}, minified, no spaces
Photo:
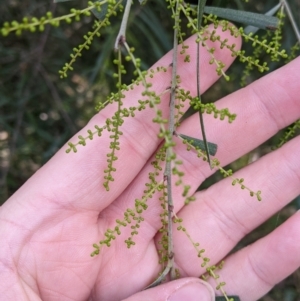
{"x":186,"y":289}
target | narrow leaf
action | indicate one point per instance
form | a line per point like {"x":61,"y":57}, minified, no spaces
{"x":100,"y":14}
{"x":200,"y":11}
{"x":271,"y":12}
{"x":57,"y":1}
{"x":212,"y":147}
{"x":249,"y":18}
{"x":234,"y":298}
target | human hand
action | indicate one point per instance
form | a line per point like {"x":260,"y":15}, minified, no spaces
{"x":48,"y":226}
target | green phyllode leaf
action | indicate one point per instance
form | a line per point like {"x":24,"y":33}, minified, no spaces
{"x":249,"y":18}
{"x":57,"y":1}
{"x":143,"y":2}
{"x":100,"y":14}
{"x":212,"y":147}
{"x":234,"y":298}
{"x":271,"y":12}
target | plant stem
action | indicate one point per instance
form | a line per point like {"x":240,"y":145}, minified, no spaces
{"x":200,"y":11}
{"x":122,"y":32}
{"x":169,"y":269}
{"x":170,"y":154}
{"x":292,"y":20}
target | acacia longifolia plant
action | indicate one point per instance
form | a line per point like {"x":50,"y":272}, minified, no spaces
{"x":204,"y":23}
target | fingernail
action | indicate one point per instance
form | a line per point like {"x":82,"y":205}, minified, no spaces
{"x":195,"y":291}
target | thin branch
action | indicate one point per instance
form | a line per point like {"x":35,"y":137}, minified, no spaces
{"x":168,"y":170}
{"x":171,"y":128}
{"x":291,"y":17}
{"x":201,"y":4}
{"x":121,"y":37}
{"x":169,"y":269}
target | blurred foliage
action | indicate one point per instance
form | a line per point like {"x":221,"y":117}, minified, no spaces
{"x":40,"y":112}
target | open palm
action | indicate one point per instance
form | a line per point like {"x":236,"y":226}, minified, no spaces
{"x":48,"y":226}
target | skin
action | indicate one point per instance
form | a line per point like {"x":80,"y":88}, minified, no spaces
{"x":48,"y":226}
